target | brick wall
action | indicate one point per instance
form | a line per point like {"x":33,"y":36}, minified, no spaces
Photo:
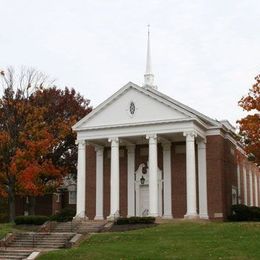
{"x":43,"y":205}
{"x":179,"y":207}
{"x":123,"y":182}
{"x":230,"y":174}
{"x":65,"y":201}
{"x":215,"y":175}
{"x":90,"y":181}
{"x":106,"y":182}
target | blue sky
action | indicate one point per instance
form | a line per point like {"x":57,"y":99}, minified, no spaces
{"x":205,"y":53}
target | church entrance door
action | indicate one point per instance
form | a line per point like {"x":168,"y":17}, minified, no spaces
{"x":144,"y":200}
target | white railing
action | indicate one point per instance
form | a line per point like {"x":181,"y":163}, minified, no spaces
{"x":145,"y":213}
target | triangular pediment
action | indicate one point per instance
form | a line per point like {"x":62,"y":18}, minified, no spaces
{"x":133,"y":105}
{"x":130,"y":106}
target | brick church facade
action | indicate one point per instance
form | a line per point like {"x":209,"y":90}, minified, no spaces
{"x":142,"y":153}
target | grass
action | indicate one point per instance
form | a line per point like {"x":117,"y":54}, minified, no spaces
{"x":183,"y":240}
{"x":11,"y":227}
{"x":5,"y":228}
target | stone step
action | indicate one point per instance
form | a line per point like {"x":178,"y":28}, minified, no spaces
{"x":43,"y":238}
{"x":43,"y":235}
{"x":12,"y":257}
{"x":14,"y":254}
{"x":65,"y":230}
{"x":27,"y":244}
{"x":37,"y":246}
{"x":40,"y":240}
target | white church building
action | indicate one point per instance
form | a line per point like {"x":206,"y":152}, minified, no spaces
{"x":142,"y":153}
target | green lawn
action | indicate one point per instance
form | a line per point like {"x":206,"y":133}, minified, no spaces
{"x":181,"y":240}
{"x":5,"y":228}
{"x":11,"y":227}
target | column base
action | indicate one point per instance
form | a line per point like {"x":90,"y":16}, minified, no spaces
{"x":99,"y":218}
{"x":113,"y":217}
{"x":153,"y":215}
{"x":80,"y":218}
{"x":203,"y":216}
{"x":191,"y":216}
{"x":167,"y":217}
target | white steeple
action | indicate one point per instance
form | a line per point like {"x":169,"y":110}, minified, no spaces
{"x":148,"y":76}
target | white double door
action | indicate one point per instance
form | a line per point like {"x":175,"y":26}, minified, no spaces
{"x":144,"y":200}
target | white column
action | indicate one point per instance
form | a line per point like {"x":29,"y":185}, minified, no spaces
{"x":191,"y":175}
{"x":167,"y":181}
{"x":251,"y":188}
{"x":81,"y":180}
{"x":114,"y":179}
{"x":202,"y":172}
{"x":130,"y":180}
{"x":256,"y":191}
{"x":238,"y":184}
{"x":99,"y":182}
{"x":245,"y":186}
{"x":153,"y":178}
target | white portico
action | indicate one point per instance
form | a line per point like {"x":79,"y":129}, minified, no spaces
{"x":142,"y":116}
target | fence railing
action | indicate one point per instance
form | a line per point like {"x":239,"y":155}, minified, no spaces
{"x":145,"y":213}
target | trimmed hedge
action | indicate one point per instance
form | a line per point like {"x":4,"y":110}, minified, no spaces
{"x":135,"y":220}
{"x":30,"y":220}
{"x":244,"y":213}
{"x":66,"y":214}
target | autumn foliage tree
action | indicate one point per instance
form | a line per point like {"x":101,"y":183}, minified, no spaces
{"x":37,"y":145}
{"x":250,"y":125}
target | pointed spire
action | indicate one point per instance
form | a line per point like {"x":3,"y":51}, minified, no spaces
{"x":148,"y":76}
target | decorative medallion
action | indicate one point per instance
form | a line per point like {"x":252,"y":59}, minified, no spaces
{"x":132,"y":108}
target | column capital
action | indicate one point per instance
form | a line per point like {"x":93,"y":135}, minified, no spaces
{"x":151,"y":136}
{"x":190,"y":135}
{"x":99,"y":148}
{"x":130,"y":148}
{"x":113,"y":140}
{"x":201,"y":143}
{"x":166,"y":146}
{"x":81,"y":144}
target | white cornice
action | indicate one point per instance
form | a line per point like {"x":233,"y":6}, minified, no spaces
{"x":158,"y":122}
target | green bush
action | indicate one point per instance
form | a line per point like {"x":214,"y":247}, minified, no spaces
{"x":244,"y":213}
{"x":135,"y":220}
{"x":66,"y":214}
{"x":141,"y":220}
{"x":30,"y":220}
{"x":122,"y":221}
{"x":255,"y":213}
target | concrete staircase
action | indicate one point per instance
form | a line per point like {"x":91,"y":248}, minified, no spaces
{"x":80,"y":227}
{"x":24,"y":244}
{"x":40,"y":240}
{"x":7,"y":254}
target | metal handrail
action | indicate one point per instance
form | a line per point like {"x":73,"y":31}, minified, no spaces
{"x":145,"y":213}
{"x":33,"y":238}
{"x":117,"y":214}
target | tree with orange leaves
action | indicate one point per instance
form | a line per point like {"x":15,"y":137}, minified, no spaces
{"x":37,"y":145}
{"x":250,"y":125}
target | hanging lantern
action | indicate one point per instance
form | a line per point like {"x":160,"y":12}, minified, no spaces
{"x":142,"y":180}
